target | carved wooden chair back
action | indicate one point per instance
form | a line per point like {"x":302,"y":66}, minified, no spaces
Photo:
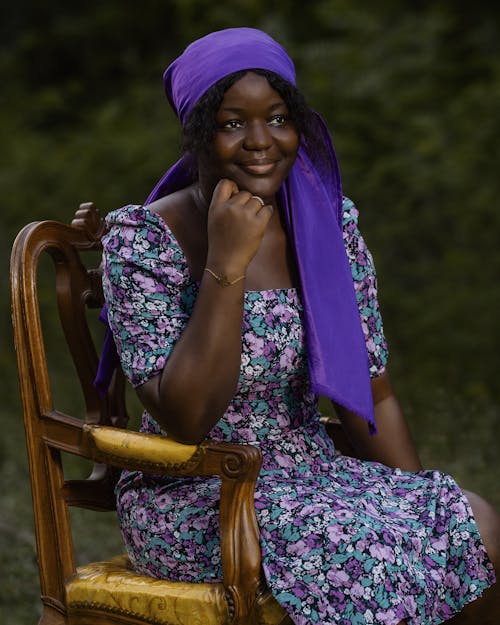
{"x":48,"y":432}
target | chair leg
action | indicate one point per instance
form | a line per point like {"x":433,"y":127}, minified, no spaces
{"x":52,"y":616}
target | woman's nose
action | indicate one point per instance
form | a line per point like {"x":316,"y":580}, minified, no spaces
{"x":257,"y":136}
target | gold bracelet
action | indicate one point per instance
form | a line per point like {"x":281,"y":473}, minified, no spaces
{"x":222,"y":280}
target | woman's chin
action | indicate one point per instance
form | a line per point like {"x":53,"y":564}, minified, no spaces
{"x":264,"y":188}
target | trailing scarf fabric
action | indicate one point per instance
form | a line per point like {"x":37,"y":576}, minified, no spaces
{"x":311,"y":198}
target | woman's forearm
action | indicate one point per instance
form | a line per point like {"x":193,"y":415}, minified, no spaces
{"x":201,"y":374}
{"x":393,"y":444}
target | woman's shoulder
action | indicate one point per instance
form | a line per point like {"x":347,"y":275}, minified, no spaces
{"x":172,"y":208}
{"x":134,"y":217}
{"x":155,"y":222}
{"x":350,"y":213}
{"x":350,"y":229}
{"x":359,"y":255}
{"x":137,"y":235}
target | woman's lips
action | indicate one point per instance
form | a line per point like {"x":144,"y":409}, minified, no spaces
{"x":258,"y":169}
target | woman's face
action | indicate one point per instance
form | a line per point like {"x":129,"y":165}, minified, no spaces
{"x":255,"y":142}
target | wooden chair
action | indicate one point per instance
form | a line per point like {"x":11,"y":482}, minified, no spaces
{"x":110,"y":592}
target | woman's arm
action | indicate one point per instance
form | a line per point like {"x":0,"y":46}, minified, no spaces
{"x":200,"y":376}
{"x":393,"y":444}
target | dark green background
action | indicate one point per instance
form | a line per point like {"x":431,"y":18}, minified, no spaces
{"x":411,"y":93}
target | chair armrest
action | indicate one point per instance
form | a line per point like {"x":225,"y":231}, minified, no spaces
{"x":238,"y":467}
{"x":138,"y":451}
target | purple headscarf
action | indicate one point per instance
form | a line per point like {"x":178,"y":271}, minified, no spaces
{"x":311,"y":198}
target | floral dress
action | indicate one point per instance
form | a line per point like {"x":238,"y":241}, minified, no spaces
{"x":343,"y":540}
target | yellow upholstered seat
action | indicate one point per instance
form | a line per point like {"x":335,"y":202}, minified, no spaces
{"x":113,"y":588}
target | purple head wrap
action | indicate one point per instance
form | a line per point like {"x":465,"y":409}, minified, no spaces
{"x":311,"y":198}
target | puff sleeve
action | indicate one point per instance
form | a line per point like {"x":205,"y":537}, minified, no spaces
{"x":365,"y":284}
{"x":144,"y":281}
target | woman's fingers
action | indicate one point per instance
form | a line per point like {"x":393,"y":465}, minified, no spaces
{"x":232,"y":208}
{"x":257,"y":204}
{"x":259,"y":199}
{"x":224,"y":191}
{"x":263,"y":212}
{"x":227,"y":191}
{"x":237,"y":221}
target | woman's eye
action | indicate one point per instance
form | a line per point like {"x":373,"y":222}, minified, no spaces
{"x":278,"y":120}
{"x":232,"y":124}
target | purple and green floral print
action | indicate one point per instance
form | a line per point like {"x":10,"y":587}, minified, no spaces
{"x":343,"y":541}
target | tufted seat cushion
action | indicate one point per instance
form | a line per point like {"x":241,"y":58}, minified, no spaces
{"x":113,"y":588}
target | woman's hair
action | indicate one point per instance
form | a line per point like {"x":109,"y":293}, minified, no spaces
{"x":199,"y":130}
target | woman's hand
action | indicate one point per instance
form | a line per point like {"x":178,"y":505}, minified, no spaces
{"x":237,"y":221}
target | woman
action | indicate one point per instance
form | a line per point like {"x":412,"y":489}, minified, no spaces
{"x":242,"y":291}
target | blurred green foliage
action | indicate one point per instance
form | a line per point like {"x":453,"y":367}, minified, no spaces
{"x":410,"y":91}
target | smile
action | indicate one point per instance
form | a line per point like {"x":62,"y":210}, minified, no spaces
{"x":258,"y":168}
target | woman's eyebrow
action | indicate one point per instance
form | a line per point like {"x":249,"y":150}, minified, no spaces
{"x":239,"y":109}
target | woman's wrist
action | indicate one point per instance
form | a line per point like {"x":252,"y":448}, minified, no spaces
{"x":230,"y":268}
{"x":222,"y":279}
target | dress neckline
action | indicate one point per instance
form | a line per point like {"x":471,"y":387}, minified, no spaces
{"x":158,"y":219}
